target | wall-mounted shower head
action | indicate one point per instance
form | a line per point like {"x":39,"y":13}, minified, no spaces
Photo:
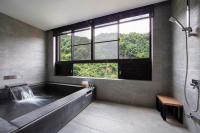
{"x":176,"y":21}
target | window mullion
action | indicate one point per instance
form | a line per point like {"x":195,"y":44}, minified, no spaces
{"x":72,"y":52}
{"x":58,"y":48}
{"x":118,"y":37}
{"x":92,"y":43}
{"x":72,"y":47}
{"x":150,"y":37}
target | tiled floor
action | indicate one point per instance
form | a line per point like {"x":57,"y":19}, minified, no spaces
{"x":105,"y":117}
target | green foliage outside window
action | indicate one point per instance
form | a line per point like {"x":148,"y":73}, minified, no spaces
{"x":100,"y":70}
{"x":65,"y":47}
{"x":134,"y":45}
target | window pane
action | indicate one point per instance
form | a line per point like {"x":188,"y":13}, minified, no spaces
{"x":134,"y":39}
{"x":82,"y":52}
{"x":82,"y":37}
{"x":65,"y":47}
{"x":106,"y":33}
{"x":101,"y":70}
{"x":106,"y":50}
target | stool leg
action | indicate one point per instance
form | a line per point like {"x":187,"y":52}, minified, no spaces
{"x":180,"y":117}
{"x":163,"y":112}
{"x":171,"y":110}
{"x":176,"y":112}
{"x":158,"y":104}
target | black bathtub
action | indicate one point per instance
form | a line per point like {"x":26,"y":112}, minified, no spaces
{"x":57,"y":105}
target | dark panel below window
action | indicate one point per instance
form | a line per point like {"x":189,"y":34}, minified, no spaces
{"x":140,"y":69}
{"x":64,"y":69}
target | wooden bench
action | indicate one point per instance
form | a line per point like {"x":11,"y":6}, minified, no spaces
{"x":169,"y":105}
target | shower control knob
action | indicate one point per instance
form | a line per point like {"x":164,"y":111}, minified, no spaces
{"x":195,"y":83}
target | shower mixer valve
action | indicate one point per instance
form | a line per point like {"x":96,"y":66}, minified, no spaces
{"x":195,"y":83}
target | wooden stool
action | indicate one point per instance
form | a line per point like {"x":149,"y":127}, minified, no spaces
{"x":165,"y":104}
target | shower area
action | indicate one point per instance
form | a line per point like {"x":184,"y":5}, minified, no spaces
{"x":185,"y":58}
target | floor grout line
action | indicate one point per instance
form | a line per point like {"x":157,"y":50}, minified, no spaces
{"x":89,"y":127}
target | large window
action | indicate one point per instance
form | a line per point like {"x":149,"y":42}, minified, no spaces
{"x":104,"y":47}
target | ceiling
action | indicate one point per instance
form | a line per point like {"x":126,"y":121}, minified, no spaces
{"x":49,"y":14}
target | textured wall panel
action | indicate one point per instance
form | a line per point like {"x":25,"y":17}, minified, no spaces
{"x":22,"y":52}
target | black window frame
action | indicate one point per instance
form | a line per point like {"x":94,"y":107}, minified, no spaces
{"x":103,"y":20}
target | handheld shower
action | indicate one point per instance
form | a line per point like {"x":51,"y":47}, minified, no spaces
{"x":187,"y":28}
{"x":176,"y":21}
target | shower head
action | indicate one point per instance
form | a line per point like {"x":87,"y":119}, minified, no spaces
{"x":172,"y":19}
{"x":176,"y":21}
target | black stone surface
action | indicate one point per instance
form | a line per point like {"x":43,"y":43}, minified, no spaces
{"x":45,"y":94}
{"x":6,"y":127}
{"x":59,"y":104}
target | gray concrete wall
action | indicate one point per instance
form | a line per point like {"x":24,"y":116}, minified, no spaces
{"x":179,"y":58}
{"x":22,"y":52}
{"x":132,"y":91}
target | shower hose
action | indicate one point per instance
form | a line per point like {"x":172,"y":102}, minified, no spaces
{"x":186,"y":78}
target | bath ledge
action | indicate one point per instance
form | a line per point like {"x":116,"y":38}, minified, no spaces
{"x":37,"y":114}
{"x":57,"y":83}
{"x":6,"y":127}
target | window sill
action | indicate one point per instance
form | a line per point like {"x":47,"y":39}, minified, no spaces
{"x":79,"y":77}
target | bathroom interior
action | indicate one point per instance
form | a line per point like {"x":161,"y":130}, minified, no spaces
{"x":109,"y":66}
